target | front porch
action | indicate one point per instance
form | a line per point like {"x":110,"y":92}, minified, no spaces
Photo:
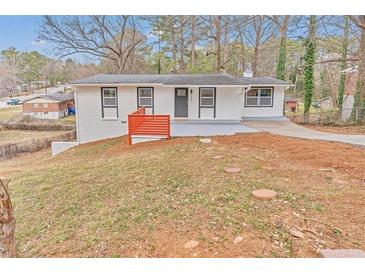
{"x":148,"y":127}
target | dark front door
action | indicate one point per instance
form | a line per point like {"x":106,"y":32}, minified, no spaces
{"x":181,"y":102}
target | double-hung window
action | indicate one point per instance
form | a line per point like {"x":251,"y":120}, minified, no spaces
{"x":207,"y":102}
{"x":145,"y":97}
{"x":259,"y":97}
{"x":207,"y":97}
{"x":109,"y":101}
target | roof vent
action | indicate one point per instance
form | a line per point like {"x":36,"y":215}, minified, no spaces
{"x":247,"y":73}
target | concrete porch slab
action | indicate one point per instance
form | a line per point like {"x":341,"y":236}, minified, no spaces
{"x":265,"y":118}
{"x":208,"y":128}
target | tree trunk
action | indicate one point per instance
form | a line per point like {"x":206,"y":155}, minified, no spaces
{"x":7,"y":223}
{"x":255,"y":61}
{"x":193,"y":41}
{"x":309,"y":60}
{"x":341,"y":85}
{"x":243,"y":59}
{"x":173,"y":42}
{"x":218,"y":31}
{"x":361,"y":78}
{"x":242,"y":49}
{"x":226,"y":44}
{"x":182,"y":44}
{"x":359,"y":98}
{"x":281,"y":66}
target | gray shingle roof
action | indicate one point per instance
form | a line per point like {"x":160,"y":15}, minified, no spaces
{"x":60,"y":97}
{"x":177,"y":79}
{"x":263,"y":81}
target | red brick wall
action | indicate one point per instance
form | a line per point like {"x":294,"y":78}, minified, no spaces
{"x":29,"y":107}
{"x":52,"y":107}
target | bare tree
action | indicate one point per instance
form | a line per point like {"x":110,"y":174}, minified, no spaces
{"x":111,"y":37}
{"x":259,"y":31}
{"x":193,"y":42}
{"x":217,"y":31}
{"x":240,"y":26}
{"x":282,"y":23}
{"x":182,"y":43}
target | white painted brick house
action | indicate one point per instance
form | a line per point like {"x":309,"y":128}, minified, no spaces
{"x":104,"y":101}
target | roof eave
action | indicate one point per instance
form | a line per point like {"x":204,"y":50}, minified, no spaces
{"x":40,"y":96}
{"x":115,"y":84}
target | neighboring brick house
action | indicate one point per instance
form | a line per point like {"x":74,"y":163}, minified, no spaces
{"x":49,"y":106}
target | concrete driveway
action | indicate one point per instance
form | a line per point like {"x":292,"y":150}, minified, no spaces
{"x":290,"y":129}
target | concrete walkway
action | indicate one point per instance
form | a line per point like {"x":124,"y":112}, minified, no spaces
{"x":290,"y":129}
{"x":208,"y":128}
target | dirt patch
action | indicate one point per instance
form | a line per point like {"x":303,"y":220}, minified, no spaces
{"x":108,"y":199}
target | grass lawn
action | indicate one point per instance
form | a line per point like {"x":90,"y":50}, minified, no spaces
{"x":10,"y":113}
{"x":17,"y":136}
{"x":108,"y":199}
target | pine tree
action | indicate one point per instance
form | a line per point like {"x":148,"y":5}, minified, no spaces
{"x":309,"y":60}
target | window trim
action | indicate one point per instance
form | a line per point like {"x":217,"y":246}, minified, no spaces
{"x":35,"y":105}
{"x":45,"y":105}
{"x":214,"y":100}
{"x":259,"y":88}
{"x":152,"y":96}
{"x":102,"y":103}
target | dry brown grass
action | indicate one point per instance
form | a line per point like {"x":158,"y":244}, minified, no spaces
{"x":10,"y":113}
{"x":17,"y":136}
{"x":107,"y":199}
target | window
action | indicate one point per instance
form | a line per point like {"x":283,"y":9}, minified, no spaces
{"x":181,"y":92}
{"x":45,"y":105}
{"x":109,"y":102}
{"x":35,"y":105}
{"x":259,"y":97}
{"x":45,"y":113}
{"x":207,"y":97}
{"x":145,"y":97}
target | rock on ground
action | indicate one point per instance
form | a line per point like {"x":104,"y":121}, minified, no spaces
{"x":238,"y":239}
{"x":296,"y":233}
{"x":191,"y":244}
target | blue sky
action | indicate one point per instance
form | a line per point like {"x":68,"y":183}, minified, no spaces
{"x":20,"y":32}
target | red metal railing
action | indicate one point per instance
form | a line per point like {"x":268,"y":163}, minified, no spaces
{"x":140,"y":123}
